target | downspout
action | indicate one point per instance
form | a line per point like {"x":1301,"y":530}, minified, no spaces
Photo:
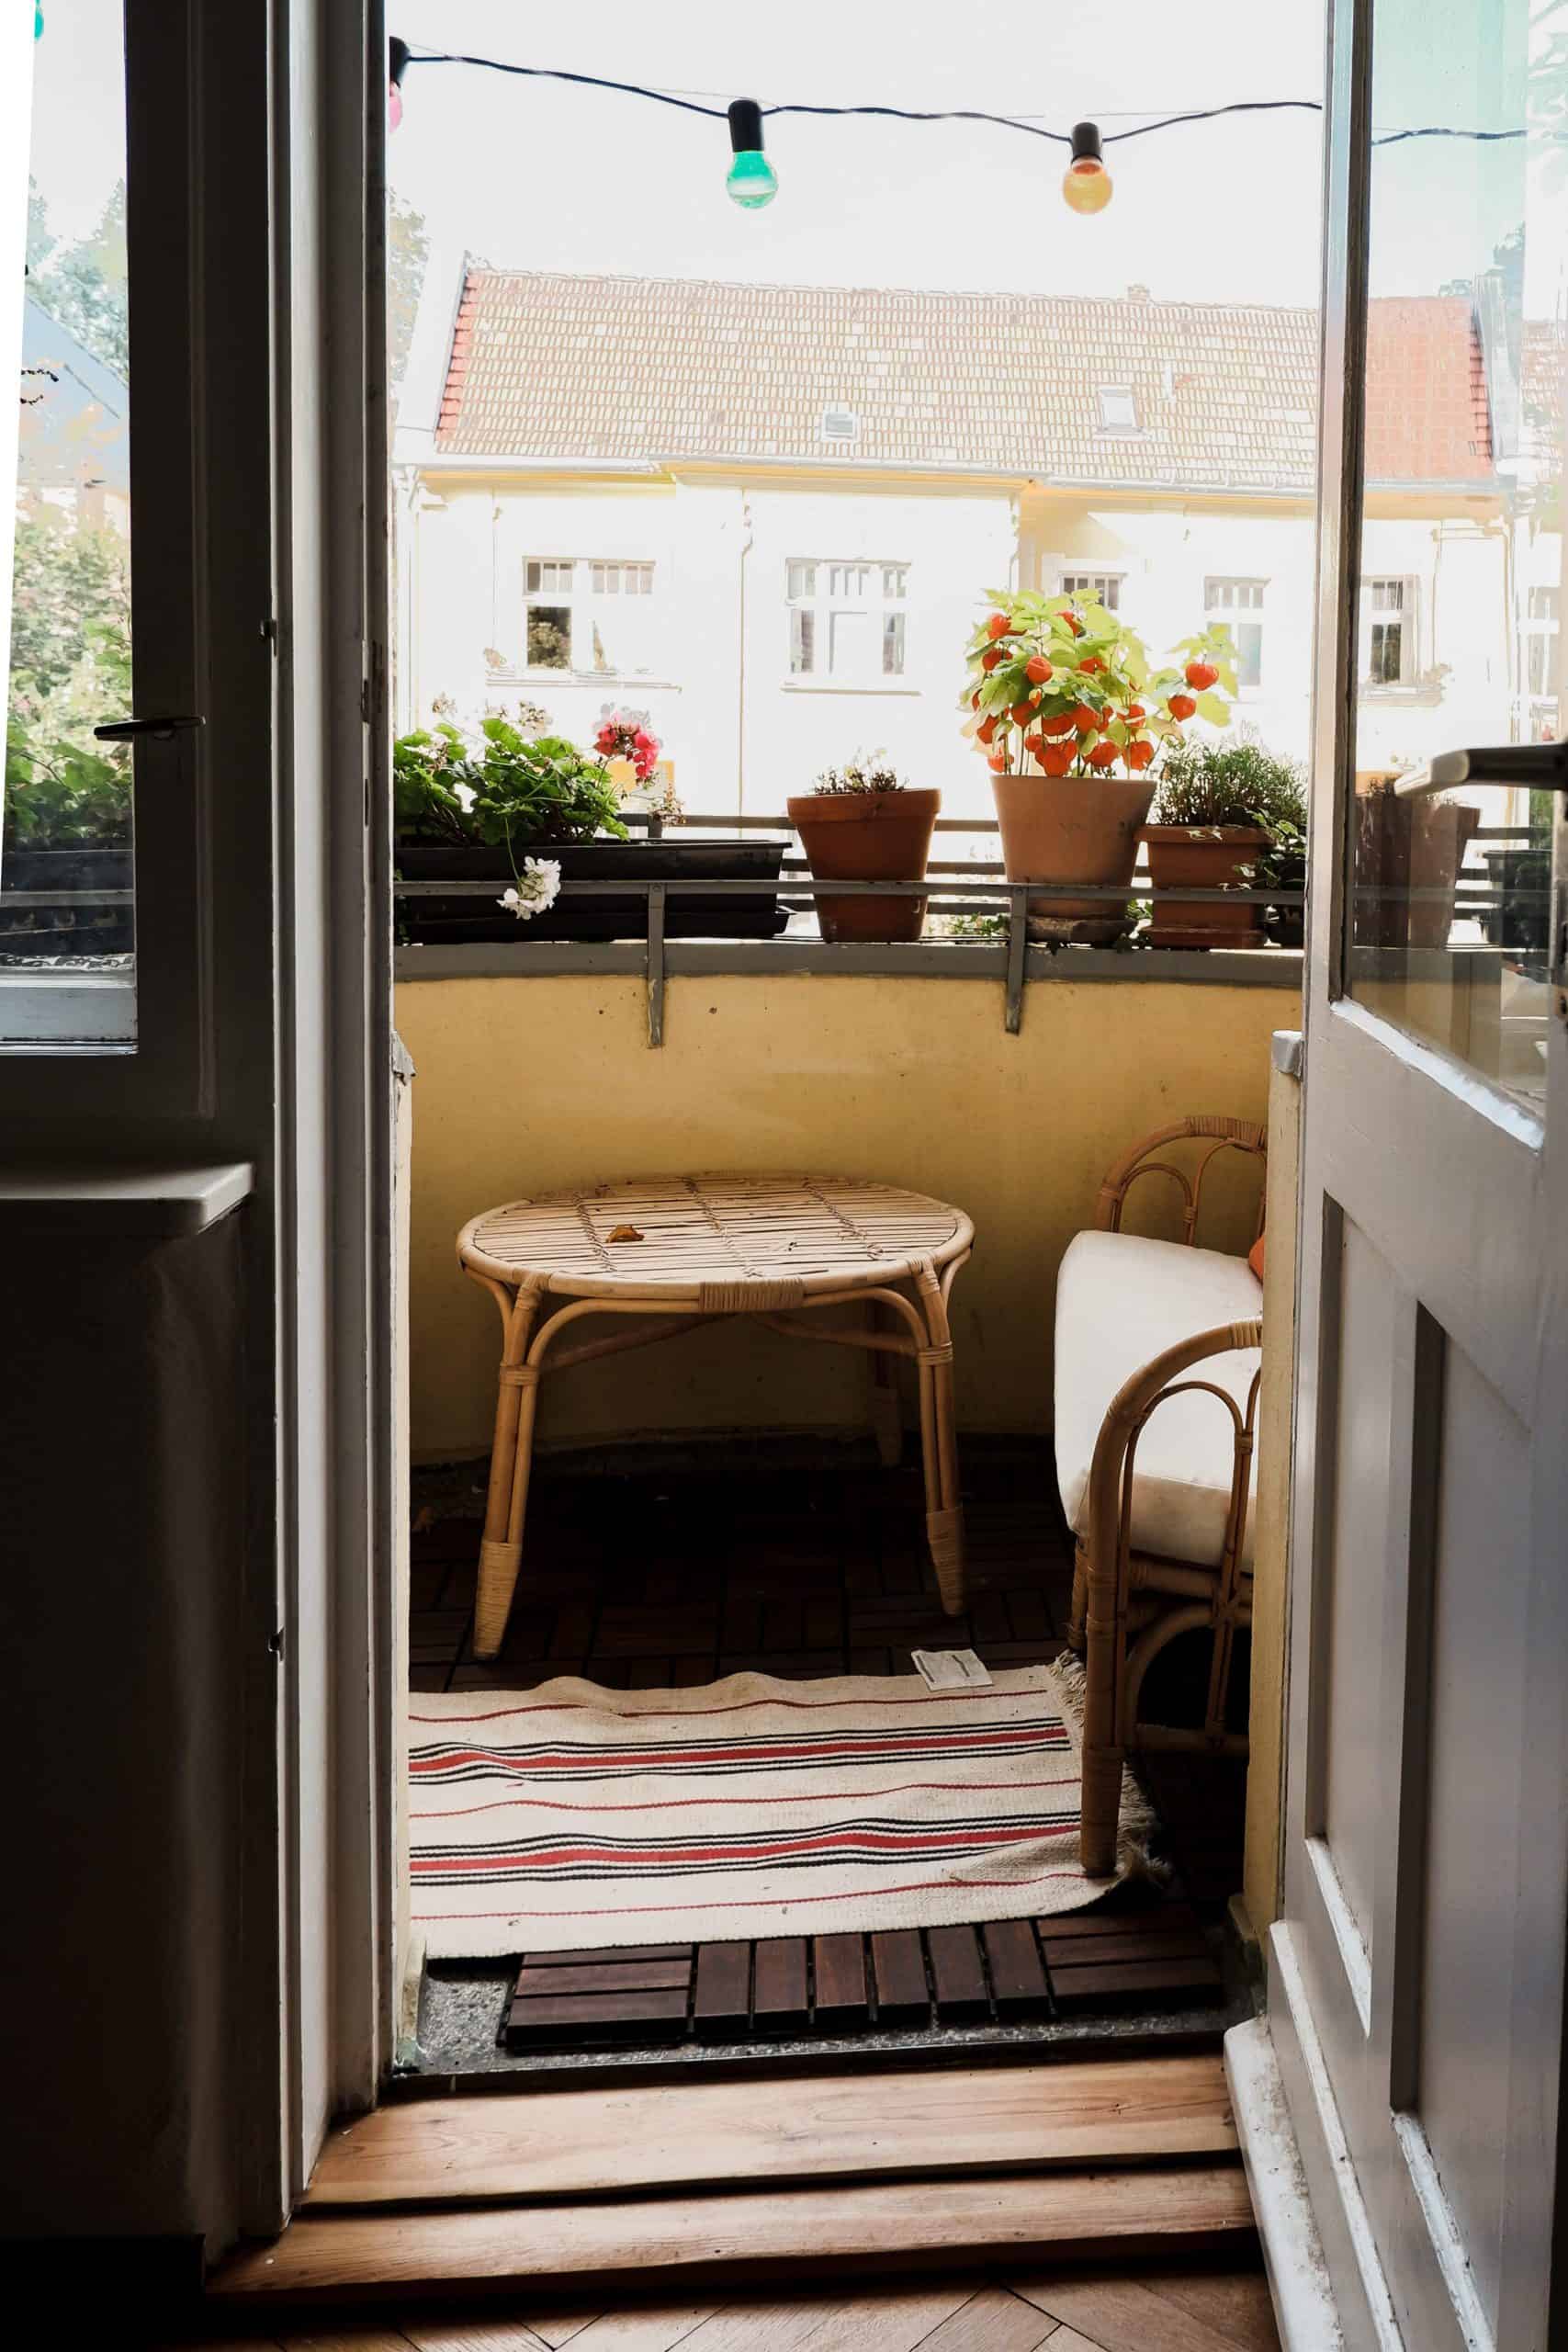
{"x":741,"y":665}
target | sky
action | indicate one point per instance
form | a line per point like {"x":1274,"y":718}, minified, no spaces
{"x":542,"y":175}
{"x":553,"y":177}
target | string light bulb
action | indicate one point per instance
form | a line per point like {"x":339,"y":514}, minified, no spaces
{"x":751,"y":180}
{"x":397,"y":62}
{"x":37,"y":19}
{"x":1087,"y":184}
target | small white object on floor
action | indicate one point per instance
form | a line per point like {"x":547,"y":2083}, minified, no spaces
{"x":950,"y":1670}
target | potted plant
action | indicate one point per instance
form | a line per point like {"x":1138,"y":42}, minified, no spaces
{"x":517,"y":801}
{"x":1408,"y":855}
{"x":1073,"y":720}
{"x":861,"y":824}
{"x":1217,"y":813}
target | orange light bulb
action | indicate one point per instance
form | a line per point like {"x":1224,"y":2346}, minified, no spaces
{"x":1087,"y":185}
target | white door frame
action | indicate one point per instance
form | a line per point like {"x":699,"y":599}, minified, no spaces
{"x":1319,"y":2006}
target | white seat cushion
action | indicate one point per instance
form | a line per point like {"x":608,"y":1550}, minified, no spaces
{"x":1120,"y":1301}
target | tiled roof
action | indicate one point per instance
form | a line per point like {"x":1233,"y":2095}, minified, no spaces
{"x":1224,"y":396}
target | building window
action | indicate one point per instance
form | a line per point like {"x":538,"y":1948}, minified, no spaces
{"x":1387,"y":632}
{"x":1542,"y":624}
{"x":1237,"y":606}
{"x":1118,"y":409}
{"x":1094,"y":588}
{"x":840,"y":424}
{"x":587,"y":614}
{"x":846,"y":618}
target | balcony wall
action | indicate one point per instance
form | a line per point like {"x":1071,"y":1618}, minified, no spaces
{"x":525,"y":1082}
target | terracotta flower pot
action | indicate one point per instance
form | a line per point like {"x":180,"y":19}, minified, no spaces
{"x":1406,"y":849}
{"x":867,"y":837}
{"x":1204,"y":858}
{"x":1071,"y":829}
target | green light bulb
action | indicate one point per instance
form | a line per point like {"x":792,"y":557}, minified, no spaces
{"x":751,"y":180}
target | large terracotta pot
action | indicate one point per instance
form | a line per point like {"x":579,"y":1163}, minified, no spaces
{"x":1204,"y":858}
{"x":1406,"y":849}
{"x":1071,"y":829}
{"x":867,"y":837}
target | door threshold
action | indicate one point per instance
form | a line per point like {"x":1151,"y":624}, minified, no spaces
{"x":728,"y":2181}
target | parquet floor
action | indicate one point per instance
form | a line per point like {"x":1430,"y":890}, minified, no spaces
{"x":1126,"y":2310}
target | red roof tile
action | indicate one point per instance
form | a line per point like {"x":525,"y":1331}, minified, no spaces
{"x":1224,"y":396}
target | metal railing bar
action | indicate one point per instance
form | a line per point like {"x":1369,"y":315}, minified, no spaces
{"x":808,"y":890}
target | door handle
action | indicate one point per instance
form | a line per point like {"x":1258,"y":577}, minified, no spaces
{"x":127,"y":730}
{"x":1542,"y":766}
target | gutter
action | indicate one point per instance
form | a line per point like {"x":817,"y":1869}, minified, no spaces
{"x":670,"y":467}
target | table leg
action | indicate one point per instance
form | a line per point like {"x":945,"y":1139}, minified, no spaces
{"x":501,"y":1552}
{"x":939,"y":1446}
{"x":886,"y":1420}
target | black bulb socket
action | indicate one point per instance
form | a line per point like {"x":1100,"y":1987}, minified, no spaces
{"x":1085,"y":144}
{"x":746,"y":126}
{"x":397,"y":62}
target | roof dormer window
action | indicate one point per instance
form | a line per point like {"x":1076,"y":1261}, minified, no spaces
{"x":1118,"y":409}
{"x":840,"y":424}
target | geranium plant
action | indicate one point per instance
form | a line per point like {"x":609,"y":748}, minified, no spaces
{"x":627,"y":735}
{"x":1059,"y":686}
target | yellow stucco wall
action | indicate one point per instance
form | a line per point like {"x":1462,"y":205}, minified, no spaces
{"x":523,"y":1083}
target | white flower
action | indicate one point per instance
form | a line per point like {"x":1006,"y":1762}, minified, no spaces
{"x":465,"y":795}
{"x":538,"y":887}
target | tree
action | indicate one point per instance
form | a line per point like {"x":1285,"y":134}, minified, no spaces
{"x":408,"y":251}
{"x":84,"y":288}
{"x":70,"y":666}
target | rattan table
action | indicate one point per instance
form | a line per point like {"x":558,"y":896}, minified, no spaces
{"x":691,"y":1250}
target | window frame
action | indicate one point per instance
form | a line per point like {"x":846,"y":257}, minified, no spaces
{"x":1367,"y":618}
{"x":583,"y":599}
{"x":818,"y":590}
{"x":1090,"y":585}
{"x":1234,"y":616}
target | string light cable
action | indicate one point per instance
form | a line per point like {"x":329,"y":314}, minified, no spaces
{"x":752,"y":183}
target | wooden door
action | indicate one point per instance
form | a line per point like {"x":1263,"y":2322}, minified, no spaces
{"x":1416,"y":1977}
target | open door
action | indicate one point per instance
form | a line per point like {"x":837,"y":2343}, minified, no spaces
{"x":1415,"y":1978}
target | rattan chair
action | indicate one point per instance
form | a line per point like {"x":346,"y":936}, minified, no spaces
{"x":1131,"y":1598}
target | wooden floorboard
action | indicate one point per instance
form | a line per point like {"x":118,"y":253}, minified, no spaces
{"x":1221,"y":2308}
{"x":554,"y":2144}
{"x":745,"y":2235}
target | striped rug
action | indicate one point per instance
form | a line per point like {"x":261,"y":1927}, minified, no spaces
{"x":571,"y":1817}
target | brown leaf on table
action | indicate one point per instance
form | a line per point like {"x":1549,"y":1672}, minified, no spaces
{"x":623,"y":1233}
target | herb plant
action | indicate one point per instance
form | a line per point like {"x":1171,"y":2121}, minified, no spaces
{"x":868,"y":772}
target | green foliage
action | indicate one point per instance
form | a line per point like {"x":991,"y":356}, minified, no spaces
{"x":1232,"y":783}
{"x":542,"y":791}
{"x":1100,"y":670}
{"x":509,"y":790}
{"x":85,"y":287}
{"x":70,"y":670}
{"x":868,"y":772}
{"x":408,"y":251}
{"x":426,"y":765}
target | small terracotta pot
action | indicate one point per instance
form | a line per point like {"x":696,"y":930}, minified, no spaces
{"x":867,"y":837}
{"x":1205,"y":857}
{"x":1071,"y":829}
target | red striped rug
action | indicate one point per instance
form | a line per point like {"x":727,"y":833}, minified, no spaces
{"x":553,"y":1819}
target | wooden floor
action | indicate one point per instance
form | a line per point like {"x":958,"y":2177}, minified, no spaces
{"x":1127,"y":2309}
{"x":646,"y":1572}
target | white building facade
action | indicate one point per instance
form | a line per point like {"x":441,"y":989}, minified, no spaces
{"x":776,"y":547}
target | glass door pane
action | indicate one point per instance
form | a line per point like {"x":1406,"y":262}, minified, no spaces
{"x":67,"y":855}
{"x":1458,"y":641}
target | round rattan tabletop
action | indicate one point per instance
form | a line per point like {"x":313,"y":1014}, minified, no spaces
{"x":691,"y":1237}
